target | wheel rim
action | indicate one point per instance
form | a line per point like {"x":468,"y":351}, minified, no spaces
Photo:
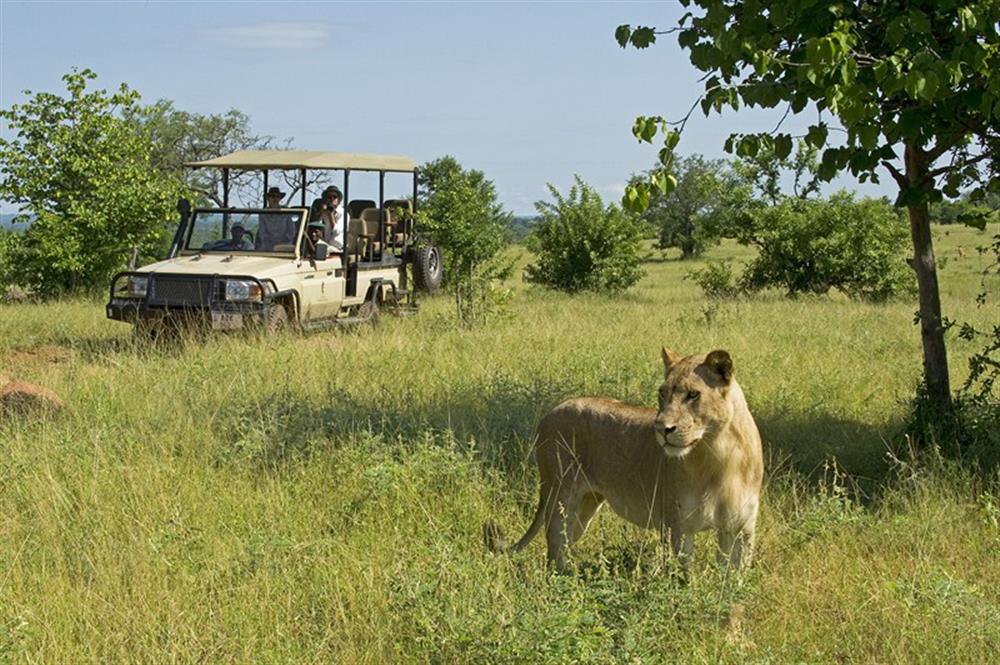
{"x":432,"y":261}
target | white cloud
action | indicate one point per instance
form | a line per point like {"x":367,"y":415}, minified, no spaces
{"x":271,"y":35}
{"x":616,"y":189}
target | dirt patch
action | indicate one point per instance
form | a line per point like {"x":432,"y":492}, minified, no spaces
{"x":43,"y":355}
{"x":19,"y":398}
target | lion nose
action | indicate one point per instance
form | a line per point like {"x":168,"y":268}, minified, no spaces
{"x":666,"y":429}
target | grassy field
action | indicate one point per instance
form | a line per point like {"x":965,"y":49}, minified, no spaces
{"x":319,"y":498}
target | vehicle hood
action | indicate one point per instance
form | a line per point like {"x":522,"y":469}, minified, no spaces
{"x":224,"y":264}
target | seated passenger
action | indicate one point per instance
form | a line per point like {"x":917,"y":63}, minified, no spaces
{"x":329,"y":210}
{"x":274,"y":197}
{"x":275,"y":228}
{"x":313,"y":239}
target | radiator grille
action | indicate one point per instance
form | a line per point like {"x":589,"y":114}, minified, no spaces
{"x":180,"y":291}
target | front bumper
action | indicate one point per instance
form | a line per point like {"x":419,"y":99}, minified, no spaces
{"x":203,"y":304}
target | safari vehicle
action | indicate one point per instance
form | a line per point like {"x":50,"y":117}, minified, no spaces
{"x":235,"y":267}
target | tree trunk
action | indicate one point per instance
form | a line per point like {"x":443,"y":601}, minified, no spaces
{"x":931,"y":325}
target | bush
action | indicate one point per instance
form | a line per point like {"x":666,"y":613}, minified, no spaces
{"x":716,"y":280}
{"x":812,"y":246}
{"x":583,"y":245}
{"x":461,"y":213}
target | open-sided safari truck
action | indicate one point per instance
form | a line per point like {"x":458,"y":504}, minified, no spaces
{"x":238,"y":267}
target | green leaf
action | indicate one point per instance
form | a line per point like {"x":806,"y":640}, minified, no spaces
{"x":868,"y":135}
{"x":642,"y":37}
{"x":672,"y":139}
{"x":782,"y":146}
{"x":919,"y":23}
{"x":622,"y":34}
{"x":816,"y":135}
{"x":976,"y":221}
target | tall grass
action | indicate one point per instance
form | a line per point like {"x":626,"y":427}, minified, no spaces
{"x":320,"y":498}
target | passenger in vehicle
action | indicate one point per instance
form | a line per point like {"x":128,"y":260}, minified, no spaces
{"x":275,"y":228}
{"x":313,"y":239}
{"x":274,"y":197}
{"x":329,"y":209}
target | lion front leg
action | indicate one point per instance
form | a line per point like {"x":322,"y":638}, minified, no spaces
{"x":736,"y":547}
{"x":682,"y":548}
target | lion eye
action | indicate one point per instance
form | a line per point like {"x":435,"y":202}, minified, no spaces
{"x":692,"y":395}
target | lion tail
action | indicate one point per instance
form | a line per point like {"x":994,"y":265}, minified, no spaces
{"x":493,"y":535}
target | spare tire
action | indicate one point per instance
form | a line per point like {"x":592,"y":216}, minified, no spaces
{"x":428,"y":270}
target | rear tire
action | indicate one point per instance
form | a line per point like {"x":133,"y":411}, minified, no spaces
{"x":428,"y":269}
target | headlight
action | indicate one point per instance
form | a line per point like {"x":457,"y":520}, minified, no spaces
{"x":137,"y":286}
{"x":242,"y":290}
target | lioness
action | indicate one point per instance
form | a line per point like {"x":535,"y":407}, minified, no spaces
{"x":693,"y":464}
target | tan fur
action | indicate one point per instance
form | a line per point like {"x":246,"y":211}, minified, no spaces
{"x":693,"y":464}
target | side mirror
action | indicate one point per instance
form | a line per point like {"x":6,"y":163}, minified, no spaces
{"x":322,"y":250}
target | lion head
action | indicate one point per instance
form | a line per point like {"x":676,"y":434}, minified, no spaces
{"x":694,"y":400}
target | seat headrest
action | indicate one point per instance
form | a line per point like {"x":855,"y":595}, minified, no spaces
{"x":357,"y":206}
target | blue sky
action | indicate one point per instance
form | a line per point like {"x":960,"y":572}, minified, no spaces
{"x":529,"y":93}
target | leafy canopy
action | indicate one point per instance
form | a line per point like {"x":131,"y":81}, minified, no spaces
{"x":924,"y":74}
{"x":84,"y":175}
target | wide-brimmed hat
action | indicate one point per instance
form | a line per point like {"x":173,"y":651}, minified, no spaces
{"x":333,"y":189}
{"x":275,"y":191}
{"x":316,"y":225}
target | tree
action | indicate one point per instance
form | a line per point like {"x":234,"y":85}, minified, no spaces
{"x":84,"y":174}
{"x":583,"y":245}
{"x":764,"y":171}
{"x":460,"y":211}
{"x":914,"y":85}
{"x":178,"y":137}
{"x":697,"y":212}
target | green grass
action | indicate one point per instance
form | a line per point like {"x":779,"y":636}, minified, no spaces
{"x":320,"y":498}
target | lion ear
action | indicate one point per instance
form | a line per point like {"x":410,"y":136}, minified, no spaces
{"x":669,"y":359}
{"x":721,"y":363}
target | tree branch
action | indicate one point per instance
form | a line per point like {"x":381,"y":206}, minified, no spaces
{"x":896,"y":175}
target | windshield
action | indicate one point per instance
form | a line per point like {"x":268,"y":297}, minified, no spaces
{"x":245,"y":230}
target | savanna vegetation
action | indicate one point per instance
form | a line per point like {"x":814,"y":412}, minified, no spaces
{"x":320,"y":498}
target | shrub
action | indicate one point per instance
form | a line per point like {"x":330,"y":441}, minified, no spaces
{"x":716,"y":280}
{"x":812,"y":246}
{"x":460,"y":211}
{"x":583,"y":245}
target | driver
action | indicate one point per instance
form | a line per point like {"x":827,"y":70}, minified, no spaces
{"x":239,"y":238}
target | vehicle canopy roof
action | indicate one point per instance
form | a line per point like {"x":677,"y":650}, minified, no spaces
{"x":308,"y":159}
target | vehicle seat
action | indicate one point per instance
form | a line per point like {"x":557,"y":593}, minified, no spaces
{"x":357,"y":244}
{"x":371,"y":219}
{"x":358,"y":206}
{"x":400,"y":220}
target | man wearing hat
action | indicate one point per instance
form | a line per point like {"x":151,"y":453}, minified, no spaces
{"x":274,"y":197}
{"x":275,"y":228}
{"x":329,"y":209}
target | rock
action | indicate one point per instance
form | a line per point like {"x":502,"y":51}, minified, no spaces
{"x":19,"y":398}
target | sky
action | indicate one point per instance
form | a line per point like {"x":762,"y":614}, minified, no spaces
{"x":528,"y":93}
